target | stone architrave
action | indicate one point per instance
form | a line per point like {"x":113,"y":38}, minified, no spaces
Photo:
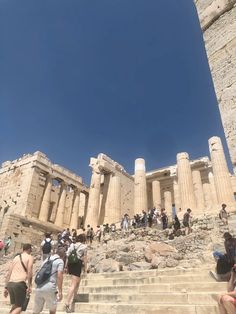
{"x":168,"y":203}
{"x":94,"y":199}
{"x":44,"y":209}
{"x":198,"y":190}
{"x":75,"y":210}
{"x":59,"y":221}
{"x":185,"y":182}
{"x":222,"y":179}
{"x":213,"y":189}
{"x":156,"y":194}
{"x":140,"y":186}
{"x":115,"y":201}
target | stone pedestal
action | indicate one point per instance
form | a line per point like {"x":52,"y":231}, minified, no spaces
{"x":115,"y":194}
{"x":61,"y":206}
{"x":185,"y":182}
{"x":44,"y":209}
{"x":156,"y":194}
{"x":140,"y":187}
{"x":94,"y":199}
{"x":221,"y":173}
{"x":198,"y":190}
{"x":75,"y":210}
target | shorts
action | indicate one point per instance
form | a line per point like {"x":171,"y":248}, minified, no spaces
{"x":75,"y":269}
{"x":17,"y":292}
{"x":186,"y":224}
{"x":45,"y":296}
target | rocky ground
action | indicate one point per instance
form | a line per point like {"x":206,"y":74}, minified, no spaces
{"x":151,"y":248}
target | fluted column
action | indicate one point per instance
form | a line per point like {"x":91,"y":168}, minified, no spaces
{"x":75,"y":210}
{"x":185,"y":182}
{"x":168,"y":203}
{"x":198,"y":190}
{"x":44,"y":210}
{"x":115,"y":201}
{"x":156,"y":194}
{"x":213,"y":189}
{"x":59,"y":221}
{"x":140,"y":186}
{"x":176,"y":195}
{"x":221,"y":173}
{"x":94,"y":199}
{"x":207,"y":197}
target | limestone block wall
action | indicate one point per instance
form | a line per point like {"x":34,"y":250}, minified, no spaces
{"x":218,"y":22}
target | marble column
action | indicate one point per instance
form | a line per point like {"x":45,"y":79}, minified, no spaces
{"x":221,"y":173}
{"x":94,"y":199}
{"x":185,"y":182}
{"x":176,"y":195}
{"x":75,"y":210}
{"x":44,"y":210}
{"x":59,"y":221}
{"x":168,"y":203}
{"x":207,"y":197}
{"x":213,"y":189}
{"x":140,"y":187}
{"x":156,"y":194}
{"x":115,"y":199}
{"x":198,"y":190}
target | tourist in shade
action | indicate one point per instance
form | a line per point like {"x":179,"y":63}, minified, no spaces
{"x":164,"y":219}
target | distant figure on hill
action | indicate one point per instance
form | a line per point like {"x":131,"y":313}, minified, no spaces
{"x":125,"y":223}
{"x":223,"y":215}
{"x":186,"y":221}
{"x":164,"y":219}
{"x":7,"y":244}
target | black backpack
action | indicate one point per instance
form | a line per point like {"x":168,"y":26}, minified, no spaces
{"x":44,"y":273}
{"x":47,"y":247}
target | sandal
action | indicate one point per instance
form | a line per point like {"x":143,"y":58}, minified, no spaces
{"x":67,"y":308}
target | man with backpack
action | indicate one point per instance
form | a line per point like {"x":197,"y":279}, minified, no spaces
{"x":49,"y":281}
{"x":46,"y":246}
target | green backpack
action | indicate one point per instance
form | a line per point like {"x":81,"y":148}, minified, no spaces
{"x":73,"y":258}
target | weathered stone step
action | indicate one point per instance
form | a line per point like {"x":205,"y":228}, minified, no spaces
{"x":141,"y":280}
{"x":92,"y":308}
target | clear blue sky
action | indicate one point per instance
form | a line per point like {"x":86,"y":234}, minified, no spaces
{"x":129,"y":78}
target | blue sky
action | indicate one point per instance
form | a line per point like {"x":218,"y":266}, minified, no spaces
{"x":129,"y":78}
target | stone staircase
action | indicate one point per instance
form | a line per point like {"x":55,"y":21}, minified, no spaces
{"x":154,"y":291}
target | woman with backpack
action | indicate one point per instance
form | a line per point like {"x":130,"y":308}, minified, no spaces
{"x":76,"y":260}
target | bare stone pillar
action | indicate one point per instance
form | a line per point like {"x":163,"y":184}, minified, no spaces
{"x":207,"y":197}
{"x":198,"y":190}
{"x":44,"y":210}
{"x":176,"y":196}
{"x":156,"y":194}
{"x":221,"y":173}
{"x":168,"y":203}
{"x":75,"y":210}
{"x":115,"y":210}
{"x":140,"y":186}
{"x":185,"y":182}
{"x":213,"y":189}
{"x":94,"y":199}
{"x":59,"y":221}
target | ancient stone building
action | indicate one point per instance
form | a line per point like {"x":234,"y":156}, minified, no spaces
{"x":218,"y":23}
{"x":37,"y":196}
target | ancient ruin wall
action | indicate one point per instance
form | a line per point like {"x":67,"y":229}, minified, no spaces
{"x":218,"y":22}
